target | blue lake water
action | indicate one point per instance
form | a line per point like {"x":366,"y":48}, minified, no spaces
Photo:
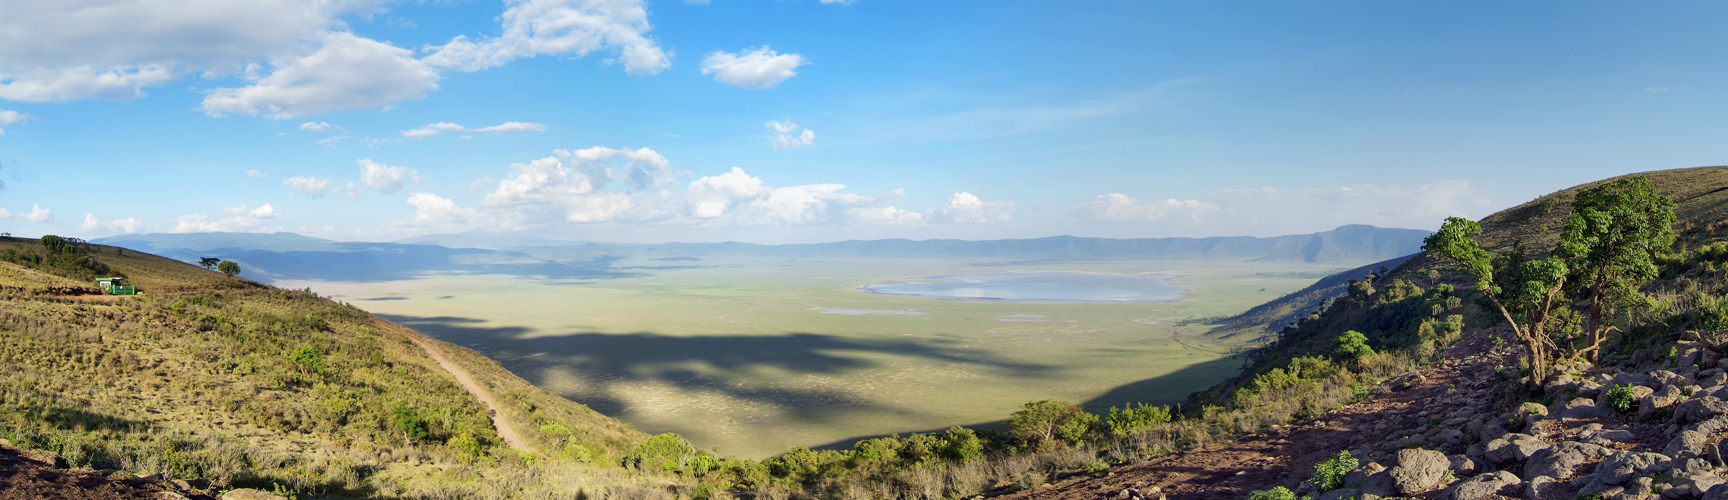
{"x":1087,"y":287}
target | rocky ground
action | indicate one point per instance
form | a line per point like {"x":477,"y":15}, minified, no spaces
{"x":1459,"y":430}
{"x":37,"y":475}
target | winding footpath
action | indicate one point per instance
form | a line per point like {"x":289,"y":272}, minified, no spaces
{"x":506,"y":431}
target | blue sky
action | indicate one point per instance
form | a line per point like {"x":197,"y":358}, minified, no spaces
{"x":809,"y":120}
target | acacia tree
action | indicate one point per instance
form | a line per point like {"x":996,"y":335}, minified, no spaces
{"x":229,"y":268}
{"x":208,"y":262}
{"x":1042,"y":424}
{"x":1523,"y":292}
{"x":1612,"y":238}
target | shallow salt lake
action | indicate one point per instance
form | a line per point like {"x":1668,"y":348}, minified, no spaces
{"x":1057,"y":286}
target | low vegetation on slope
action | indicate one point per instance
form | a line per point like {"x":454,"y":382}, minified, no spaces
{"x":207,"y":377}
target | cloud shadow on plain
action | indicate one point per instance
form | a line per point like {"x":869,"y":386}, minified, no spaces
{"x":700,"y":363}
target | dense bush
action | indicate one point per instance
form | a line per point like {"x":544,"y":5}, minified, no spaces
{"x":1136,"y":417}
{"x":1329,"y":474}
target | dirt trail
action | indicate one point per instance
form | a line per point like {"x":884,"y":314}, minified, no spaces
{"x":506,"y":431}
{"x":1229,"y":470}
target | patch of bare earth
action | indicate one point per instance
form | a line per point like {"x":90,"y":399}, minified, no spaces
{"x":23,"y":478}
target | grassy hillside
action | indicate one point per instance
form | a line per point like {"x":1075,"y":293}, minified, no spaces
{"x":1263,"y":322}
{"x":1392,"y":309}
{"x":203,"y":376}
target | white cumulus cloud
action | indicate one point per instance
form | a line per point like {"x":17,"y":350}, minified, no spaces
{"x":315,"y":187}
{"x":38,"y":214}
{"x":346,"y":72}
{"x":596,"y":184}
{"x":315,"y":126}
{"x":968,"y":208}
{"x":1121,"y":207}
{"x":255,"y":174}
{"x":561,"y":28}
{"x":431,"y":209}
{"x":384,"y":178}
{"x":712,"y":196}
{"x":788,"y":135}
{"x":127,"y":225}
{"x":64,"y":50}
{"x":737,"y":198}
{"x":753,"y":69}
{"x":8,"y":117}
{"x":265,"y":211}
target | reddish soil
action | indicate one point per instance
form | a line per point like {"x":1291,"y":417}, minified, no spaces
{"x":25,"y":479}
{"x":1284,"y":456}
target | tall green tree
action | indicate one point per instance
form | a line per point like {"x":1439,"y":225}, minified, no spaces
{"x":229,"y":268}
{"x":1611,"y":240}
{"x":1523,"y":290}
{"x":208,"y":262}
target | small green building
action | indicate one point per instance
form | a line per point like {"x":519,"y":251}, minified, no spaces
{"x":116,"y":286}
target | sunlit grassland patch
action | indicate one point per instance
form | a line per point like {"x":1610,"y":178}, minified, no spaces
{"x":739,"y":355}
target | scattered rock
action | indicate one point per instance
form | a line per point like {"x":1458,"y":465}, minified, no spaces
{"x":1624,"y":466}
{"x":1560,"y":460}
{"x":1481,"y":486}
{"x":1629,"y":378}
{"x":1689,"y":442}
{"x":1576,"y":408}
{"x":1378,"y":484}
{"x":1462,"y":465}
{"x":1418,"y":471}
{"x":1541,"y":487}
{"x":1338,"y":494}
{"x":1699,"y":410}
{"x":1668,"y":396}
{"x":1661,"y":378}
{"x":1514,"y":448}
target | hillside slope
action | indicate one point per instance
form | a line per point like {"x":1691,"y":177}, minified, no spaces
{"x":1420,"y":416}
{"x":211,"y":378}
{"x":1701,"y":203}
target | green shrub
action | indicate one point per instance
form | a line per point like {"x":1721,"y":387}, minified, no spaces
{"x":409,"y":422}
{"x":961,"y":445}
{"x":664,"y":452}
{"x":309,"y":358}
{"x":1620,"y":399}
{"x":466,"y":445}
{"x":1329,"y":475}
{"x":1136,"y":417}
{"x":1353,"y":345}
{"x":1276,"y":493}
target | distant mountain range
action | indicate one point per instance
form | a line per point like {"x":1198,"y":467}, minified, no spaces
{"x":292,"y":256}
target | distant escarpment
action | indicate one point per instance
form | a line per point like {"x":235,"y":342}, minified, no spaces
{"x":292,"y":256}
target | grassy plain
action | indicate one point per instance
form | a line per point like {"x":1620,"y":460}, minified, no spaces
{"x":734,"y":353}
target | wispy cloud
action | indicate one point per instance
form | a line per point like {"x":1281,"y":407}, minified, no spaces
{"x":755,"y":69}
{"x":433,"y":129}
